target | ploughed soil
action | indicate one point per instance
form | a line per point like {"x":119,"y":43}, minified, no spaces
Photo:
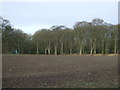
{"x":40,"y":71}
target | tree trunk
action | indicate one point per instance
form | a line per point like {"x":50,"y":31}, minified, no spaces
{"x":19,"y":50}
{"x":115,"y":47}
{"x":45,"y":51}
{"x":37,"y":49}
{"x":102,"y":46}
{"x":95,"y":50}
{"x":62,"y":47}
{"x":70,"y":50}
{"x":55,"y":50}
{"x":91,"y":50}
{"x":49,"y":48}
{"x":95,"y":46}
{"x":80,"y":51}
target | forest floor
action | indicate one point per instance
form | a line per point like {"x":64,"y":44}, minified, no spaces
{"x":40,"y":71}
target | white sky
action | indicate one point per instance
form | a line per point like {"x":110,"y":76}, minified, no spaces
{"x":31,"y":16}
{"x":59,"y":0}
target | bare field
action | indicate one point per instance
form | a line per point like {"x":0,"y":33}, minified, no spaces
{"x":39,"y":71}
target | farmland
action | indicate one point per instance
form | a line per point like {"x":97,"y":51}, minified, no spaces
{"x":56,"y":71}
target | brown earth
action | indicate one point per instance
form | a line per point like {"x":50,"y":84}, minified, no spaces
{"x":39,"y":71}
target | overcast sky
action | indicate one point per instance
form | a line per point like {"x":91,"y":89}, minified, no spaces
{"x":33,"y":16}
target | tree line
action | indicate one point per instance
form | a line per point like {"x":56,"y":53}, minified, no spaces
{"x":95,"y":37}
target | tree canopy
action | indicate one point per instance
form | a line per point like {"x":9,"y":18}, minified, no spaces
{"x":95,"y":37}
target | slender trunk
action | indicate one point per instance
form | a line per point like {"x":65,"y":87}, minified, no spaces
{"x":102,"y":46}
{"x":37,"y":49}
{"x":48,"y":51}
{"x":91,"y":50}
{"x":91,"y":47}
{"x":115,"y":47}
{"x":95,"y":50}
{"x":80,"y":51}
{"x":70,"y":50}
{"x":19,"y":50}
{"x":55,"y":50}
{"x":49,"y":48}
{"x":45,"y":51}
{"x":95,"y":46}
{"x":62,"y":47}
